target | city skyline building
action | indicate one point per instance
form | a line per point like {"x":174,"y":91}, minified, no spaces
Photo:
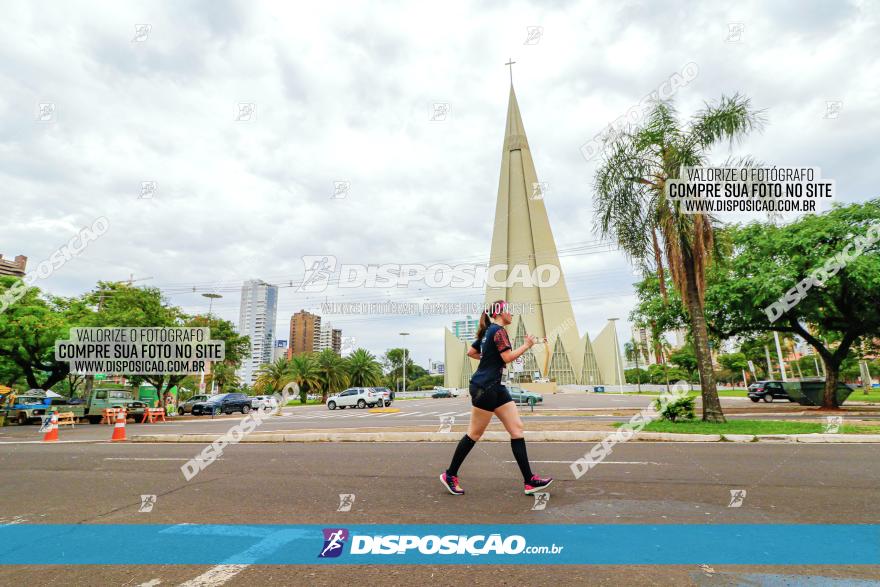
{"x":305,"y":333}
{"x":256,"y":320}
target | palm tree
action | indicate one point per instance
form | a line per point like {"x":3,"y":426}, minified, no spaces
{"x":304,"y":372}
{"x":632,"y":208}
{"x":272,"y":377}
{"x":224,"y":375}
{"x":332,"y":372}
{"x":363,"y":369}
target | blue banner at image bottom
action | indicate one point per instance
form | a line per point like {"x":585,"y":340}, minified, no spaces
{"x":208,"y":544}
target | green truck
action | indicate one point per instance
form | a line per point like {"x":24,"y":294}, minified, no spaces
{"x":32,"y":407}
{"x":92,"y":408}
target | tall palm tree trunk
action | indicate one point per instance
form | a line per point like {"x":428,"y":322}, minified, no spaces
{"x":711,"y":404}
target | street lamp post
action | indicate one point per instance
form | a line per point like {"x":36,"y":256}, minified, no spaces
{"x":404,"y":334}
{"x":211,"y":297}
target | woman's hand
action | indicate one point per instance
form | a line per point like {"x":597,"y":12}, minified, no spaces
{"x":530,"y":341}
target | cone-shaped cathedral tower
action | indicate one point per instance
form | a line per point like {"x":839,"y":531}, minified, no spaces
{"x":522,"y":239}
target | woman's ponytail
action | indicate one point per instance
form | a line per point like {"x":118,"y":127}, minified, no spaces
{"x":484,"y":324}
{"x":489,"y":312}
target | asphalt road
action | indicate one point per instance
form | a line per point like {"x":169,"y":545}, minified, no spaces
{"x":397,"y":483}
{"x":420,"y":412}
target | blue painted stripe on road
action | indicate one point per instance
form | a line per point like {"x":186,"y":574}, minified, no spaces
{"x":206,"y":544}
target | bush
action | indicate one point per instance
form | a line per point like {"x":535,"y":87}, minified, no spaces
{"x":681,"y":409}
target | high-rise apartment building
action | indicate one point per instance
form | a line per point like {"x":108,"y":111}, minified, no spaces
{"x":466,"y":330}
{"x":16,"y":267}
{"x":330,"y":338}
{"x":305,"y":333}
{"x":256,"y":320}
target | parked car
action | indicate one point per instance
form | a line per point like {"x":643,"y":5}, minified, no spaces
{"x":453,"y":392}
{"x":187,"y":406}
{"x":441,"y":393}
{"x":386,"y":395}
{"x":266,"y":402}
{"x":767,"y":391}
{"x":224,"y":403}
{"x":521,"y":396}
{"x":360,"y":397}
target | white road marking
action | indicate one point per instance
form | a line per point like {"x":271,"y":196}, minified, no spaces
{"x":148,"y":459}
{"x":215,"y":576}
{"x":150,"y":583}
{"x":599,"y":463}
{"x":52,"y":442}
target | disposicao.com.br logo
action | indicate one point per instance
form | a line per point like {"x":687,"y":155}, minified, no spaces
{"x":452,"y":544}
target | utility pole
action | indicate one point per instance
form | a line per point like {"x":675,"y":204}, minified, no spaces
{"x":779,"y":356}
{"x":404,"y":335}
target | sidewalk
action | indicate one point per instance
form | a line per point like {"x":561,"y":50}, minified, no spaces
{"x":536,"y":434}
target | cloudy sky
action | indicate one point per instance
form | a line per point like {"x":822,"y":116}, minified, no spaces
{"x":347,"y":93}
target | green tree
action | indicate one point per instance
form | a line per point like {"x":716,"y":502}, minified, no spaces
{"x":225,"y":377}
{"x":272,"y":377}
{"x":332,"y":373}
{"x":28,"y":330}
{"x":363,"y":369}
{"x":632,"y":207}
{"x":392,"y":362}
{"x":685,"y":358}
{"x":638,"y":376}
{"x":121,"y":305}
{"x":304,"y":372}
{"x":769,"y":262}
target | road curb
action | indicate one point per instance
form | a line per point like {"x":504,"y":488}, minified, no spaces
{"x":535,"y":436}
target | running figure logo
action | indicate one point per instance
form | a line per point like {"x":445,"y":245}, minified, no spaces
{"x":147,"y":503}
{"x":334,"y":540}
{"x":318,"y":268}
{"x":446,"y":423}
{"x":737,"y":497}
{"x":541,"y":500}
{"x":833,"y":424}
{"x":346,"y":500}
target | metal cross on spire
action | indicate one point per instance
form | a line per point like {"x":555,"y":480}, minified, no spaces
{"x":510,"y":64}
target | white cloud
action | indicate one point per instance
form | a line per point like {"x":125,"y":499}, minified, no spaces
{"x":346,"y":94}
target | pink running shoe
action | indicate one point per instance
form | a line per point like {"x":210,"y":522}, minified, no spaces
{"x":451,"y":484}
{"x":536,"y":484}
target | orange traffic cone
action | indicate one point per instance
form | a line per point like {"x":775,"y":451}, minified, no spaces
{"x":119,"y":428}
{"x":52,"y":433}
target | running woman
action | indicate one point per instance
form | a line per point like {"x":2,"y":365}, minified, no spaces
{"x":489,"y":396}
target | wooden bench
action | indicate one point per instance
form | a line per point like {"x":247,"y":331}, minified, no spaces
{"x":66,"y":419}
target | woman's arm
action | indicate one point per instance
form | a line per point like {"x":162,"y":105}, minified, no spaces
{"x":510,"y":356}
{"x":473,"y":353}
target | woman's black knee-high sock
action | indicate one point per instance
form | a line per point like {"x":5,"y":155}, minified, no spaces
{"x":461,"y":451}
{"x":518,"y":445}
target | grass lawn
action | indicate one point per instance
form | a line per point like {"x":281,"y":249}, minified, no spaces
{"x":696,"y":392}
{"x":859,"y":396}
{"x":311,"y":402}
{"x":753,"y":427}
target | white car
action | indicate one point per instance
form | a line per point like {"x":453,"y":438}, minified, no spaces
{"x":360,"y":397}
{"x":266,"y":402}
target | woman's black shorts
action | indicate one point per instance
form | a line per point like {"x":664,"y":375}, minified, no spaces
{"x":489,"y":399}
